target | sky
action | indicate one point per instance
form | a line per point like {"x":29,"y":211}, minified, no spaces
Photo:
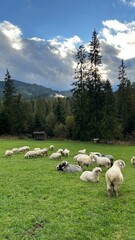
{"x":39,"y":38}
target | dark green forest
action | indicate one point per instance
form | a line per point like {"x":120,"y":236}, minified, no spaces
{"x":93,"y":110}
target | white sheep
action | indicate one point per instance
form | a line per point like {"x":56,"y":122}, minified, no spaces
{"x":133,"y":160}
{"x":23,"y":149}
{"x":15,"y":150}
{"x":8,"y":153}
{"x":66,"y":152}
{"x":67,"y":167}
{"x":30,"y":154}
{"x":41,"y":152}
{"x":102,"y":161}
{"x":51,"y":147}
{"x":85,"y":160}
{"x":91,"y":176}
{"x":60,"y":150}
{"x":114,"y":177}
{"x":96,"y":153}
{"x":78,"y":155}
{"x":82,"y":151}
{"x":56,"y":155}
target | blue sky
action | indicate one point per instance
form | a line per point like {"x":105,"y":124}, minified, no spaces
{"x":38,"y":38}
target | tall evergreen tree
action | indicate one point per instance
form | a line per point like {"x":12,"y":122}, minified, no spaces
{"x":9,"y":94}
{"x":79,"y":94}
{"x":95,"y":88}
{"x":124,"y":100}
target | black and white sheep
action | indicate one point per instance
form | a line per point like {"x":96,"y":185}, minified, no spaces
{"x":114,"y":177}
{"x":91,"y":176}
{"x":133,"y":160}
{"x":67,"y":167}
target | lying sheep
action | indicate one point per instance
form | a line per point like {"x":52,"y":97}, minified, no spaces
{"x":85,"y":160}
{"x":133,"y":160}
{"x":114,"y":177}
{"x":102,"y":161}
{"x":8,"y":153}
{"x":66,"y":167}
{"x":82,"y":151}
{"x":91,"y":176}
{"x":56,"y":155}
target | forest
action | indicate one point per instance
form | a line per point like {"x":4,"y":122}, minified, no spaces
{"x":94,"y":110}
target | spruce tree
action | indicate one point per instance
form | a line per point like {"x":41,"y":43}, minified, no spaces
{"x":94,"y":88}
{"x":124,"y":101}
{"x":79,"y":103}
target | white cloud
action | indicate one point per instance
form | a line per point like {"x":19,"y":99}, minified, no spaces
{"x":45,"y":62}
{"x":118,"y":42}
{"x":129,"y":2}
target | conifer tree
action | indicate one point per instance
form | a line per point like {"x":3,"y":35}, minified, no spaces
{"x":79,"y":94}
{"x":94,"y":88}
{"x":124,"y":100}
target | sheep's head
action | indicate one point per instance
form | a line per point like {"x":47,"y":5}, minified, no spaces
{"x":120,"y":163}
{"x":97,"y":170}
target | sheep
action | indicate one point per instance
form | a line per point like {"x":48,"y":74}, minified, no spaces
{"x":85,"y":160}
{"x":82,"y":151}
{"x":41,"y":152}
{"x":60,"y":151}
{"x":23,"y":149}
{"x":96,"y":153}
{"x":51,"y":147}
{"x":91,"y":176}
{"x":110,"y":157}
{"x":66,"y":152}
{"x":15,"y":150}
{"x":114,"y":177}
{"x":30,"y":154}
{"x":133,"y":160}
{"x":56,"y":155}
{"x":102,"y":161}
{"x":66,"y":167}
{"x":8,"y":153}
{"x":78,"y":155}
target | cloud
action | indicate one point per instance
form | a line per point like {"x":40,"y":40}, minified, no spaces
{"x":129,"y":2}
{"x":117,"y":42}
{"x":35,"y":60}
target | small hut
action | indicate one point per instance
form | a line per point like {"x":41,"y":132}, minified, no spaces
{"x":39,"y":135}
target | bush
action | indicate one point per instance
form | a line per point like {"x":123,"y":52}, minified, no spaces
{"x":61,"y":131}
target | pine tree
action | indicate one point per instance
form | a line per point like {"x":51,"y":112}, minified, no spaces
{"x":124,"y":100}
{"x":94,"y":88}
{"x":79,"y":94}
{"x":9,"y":94}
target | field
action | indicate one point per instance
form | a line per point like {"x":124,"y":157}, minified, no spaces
{"x":38,"y":202}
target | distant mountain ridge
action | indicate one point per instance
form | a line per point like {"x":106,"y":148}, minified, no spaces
{"x":29,"y":90}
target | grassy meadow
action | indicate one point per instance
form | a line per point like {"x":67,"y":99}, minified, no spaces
{"x":38,"y":202}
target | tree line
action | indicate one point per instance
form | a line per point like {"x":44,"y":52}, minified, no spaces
{"x":93,"y":111}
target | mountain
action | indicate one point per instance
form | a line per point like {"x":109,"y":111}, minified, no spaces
{"x":34,"y":90}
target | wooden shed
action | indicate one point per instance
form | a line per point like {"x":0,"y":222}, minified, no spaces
{"x":39,"y":135}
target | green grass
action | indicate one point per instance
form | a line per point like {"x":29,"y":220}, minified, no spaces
{"x":38,"y":202}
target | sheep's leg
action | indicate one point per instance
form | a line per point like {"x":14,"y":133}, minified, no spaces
{"x":116,"y":191}
{"x":109,"y":190}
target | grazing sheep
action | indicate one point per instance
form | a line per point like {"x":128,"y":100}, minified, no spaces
{"x":51,"y":147}
{"x":78,"y":155}
{"x":82,"y":151}
{"x":56,"y":155}
{"x":66,"y":152}
{"x":133,"y":160}
{"x":85,"y":160}
{"x":66,"y":167}
{"x":91,"y":176}
{"x":41,"y":152}
{"x":15,"y":150}
{"x":30,"y":154}
{"x":96,"y":153}
{"x":8,"y":153}
{"x":114,"y":177}
{"x":60,"y":151}
{"x":102,"y":161}
{"x":23,"y":149}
